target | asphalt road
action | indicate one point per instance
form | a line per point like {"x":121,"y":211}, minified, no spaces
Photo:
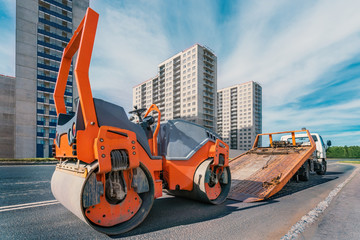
{"x":28,"y":210}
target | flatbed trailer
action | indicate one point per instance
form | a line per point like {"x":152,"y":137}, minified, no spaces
{"x":263,"y":171}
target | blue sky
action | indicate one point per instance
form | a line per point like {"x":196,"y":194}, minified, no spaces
{"x":305,"y":54}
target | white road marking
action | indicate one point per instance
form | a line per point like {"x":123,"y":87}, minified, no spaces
{"x":314,"y":214}
{"x":27,"y":205}
{"x":27,"y":165}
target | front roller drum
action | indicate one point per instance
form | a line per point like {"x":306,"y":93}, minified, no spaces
{"x":211,"y":184}
{"x":112,"y":204}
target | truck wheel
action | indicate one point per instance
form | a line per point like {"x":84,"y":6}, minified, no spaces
{"x":306,"y":174}
{"x":322,"y":171}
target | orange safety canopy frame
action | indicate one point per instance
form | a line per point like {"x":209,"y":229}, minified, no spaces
{"x":82,"y":42}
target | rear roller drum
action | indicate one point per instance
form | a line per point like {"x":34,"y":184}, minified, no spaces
{"x":122,"y":205}
{"x":211,"y":185}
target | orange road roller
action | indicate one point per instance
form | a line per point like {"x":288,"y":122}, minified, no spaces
{"x":111,"y":169}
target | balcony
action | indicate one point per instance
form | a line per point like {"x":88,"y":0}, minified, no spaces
{"x":208,"y":54}
{"x":51,"y":68}
{"x":55,"y":13}
{"x":206,"y":68}
{"x":52,"y":57}
{"x":209,"y":84}
{"x":208,"y":77}
{"x":208,"y":100}
{"x":42,"y":20}
{"x":53,"y":35}
{"x":40,"y":134}
{"x":209,"y":107}
{"x":208,"y":95}
{"x":50,"y":45}
{"x":46,"y":78}
{"x":56,"y":3}
{"x":208,"y":60}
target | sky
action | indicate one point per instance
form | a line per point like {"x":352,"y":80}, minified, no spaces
{"x":304,"y":54}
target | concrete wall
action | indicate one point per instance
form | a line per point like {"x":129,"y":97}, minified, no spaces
{"x":25,"y":84}
{"x":7,"y":116}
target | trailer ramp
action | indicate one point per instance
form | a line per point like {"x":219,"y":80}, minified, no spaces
{"x":263,"y":171}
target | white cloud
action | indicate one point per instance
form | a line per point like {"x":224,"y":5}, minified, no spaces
{"x":286,"y":47}
{"x":328,"y":121}
{"x":288,"y":61}
{"x":129,"y":45}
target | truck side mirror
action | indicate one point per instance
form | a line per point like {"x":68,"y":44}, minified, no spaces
{"x":328,"y":143}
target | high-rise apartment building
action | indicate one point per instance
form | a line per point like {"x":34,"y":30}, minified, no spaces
{"x":239,"y":114}
{"x":185,"y":87}
{"x":43,"y":28}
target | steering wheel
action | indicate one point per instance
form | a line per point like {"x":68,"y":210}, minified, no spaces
{"x":138,"y":112}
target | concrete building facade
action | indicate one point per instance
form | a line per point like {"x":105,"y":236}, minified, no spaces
{"x":239,"y":114}
{"x":43,"y":28}
{"x":185,"y":87}
{"x":7,"y":116}
{"x":39,"y":46}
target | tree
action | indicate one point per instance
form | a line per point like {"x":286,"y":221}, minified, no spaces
{"x":343,"y":152}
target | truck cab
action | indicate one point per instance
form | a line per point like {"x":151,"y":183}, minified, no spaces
{"x":318,"y":161}
{"x":304,"y":140}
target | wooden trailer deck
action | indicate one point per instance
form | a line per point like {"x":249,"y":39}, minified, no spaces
{"x":263,"y":171}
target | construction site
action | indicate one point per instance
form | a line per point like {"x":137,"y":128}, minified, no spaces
{"x":110,"y":169}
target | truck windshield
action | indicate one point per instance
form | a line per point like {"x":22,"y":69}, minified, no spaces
{"x":302,"y":139}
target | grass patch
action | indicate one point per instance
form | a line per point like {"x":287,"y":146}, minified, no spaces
{"x":353,"y":162}
{"x":27,"y":159}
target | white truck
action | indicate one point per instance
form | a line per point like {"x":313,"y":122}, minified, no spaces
{"x":317,"y":162}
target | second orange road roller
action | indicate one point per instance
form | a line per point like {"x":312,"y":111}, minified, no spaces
{"x":110,"y":169}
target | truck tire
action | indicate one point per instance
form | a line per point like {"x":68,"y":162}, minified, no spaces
{"x":323,"y":169}
{"x":306,"y":174}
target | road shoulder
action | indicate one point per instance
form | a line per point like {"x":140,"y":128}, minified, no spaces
{"x":341,"y":220}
